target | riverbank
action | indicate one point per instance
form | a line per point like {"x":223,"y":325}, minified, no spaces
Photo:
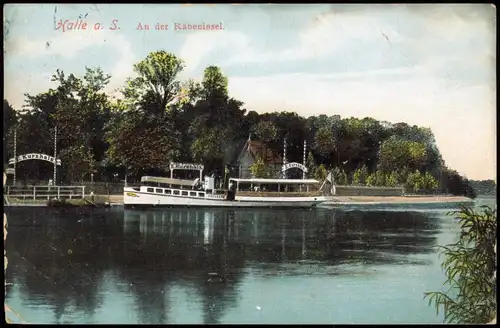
{"x":335,"y":201}
{"x":400,"y":199}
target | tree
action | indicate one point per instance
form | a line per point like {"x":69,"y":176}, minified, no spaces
{"x":455,"y":184}
{"x":10,"y":118}
{"x":377,"y":178}
{"x":351,"y":144}
{"x":360,"y":175}
{"x":324,"y":142}
{"x":429,"y":182}
{"x":139,"y":143}
{"x":209,"y":148}
{"x":470,"y":266}
{"x":310,"y":164}
{"x":266,"y":131}
{"x":340,"y":177}
{"x":82,"y":105}
{"x":82,"y":109}
{"x":484,"y":187}
{"x":77,"y":170}
{"x":78,"y":107}
{"x":396,"y":153}
{"x":320,"y":173}
{"x":214,"y":84}
{"x":401,"y":175}
{"x":215,"y":129}
{"x":156,"y":85}
{"x":391,"y":179}
{"x":259,"y":169}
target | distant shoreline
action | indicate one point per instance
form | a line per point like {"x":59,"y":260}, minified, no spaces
{"x":401,"y":199}
{"x":335,"y":201}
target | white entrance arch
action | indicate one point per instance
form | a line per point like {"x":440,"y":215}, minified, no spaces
{"x":32,"y":156}
{"x":294,"y":165}
{"x":35,"y":156}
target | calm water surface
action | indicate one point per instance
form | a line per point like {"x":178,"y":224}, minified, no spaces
{"x":225,"y":266}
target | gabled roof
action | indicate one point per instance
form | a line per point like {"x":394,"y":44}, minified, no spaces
{"x":258,"y":149}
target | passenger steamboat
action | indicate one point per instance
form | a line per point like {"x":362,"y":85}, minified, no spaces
{"x":271,"y":193}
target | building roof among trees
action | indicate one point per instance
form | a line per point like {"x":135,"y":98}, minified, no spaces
{"x":258,"y":149}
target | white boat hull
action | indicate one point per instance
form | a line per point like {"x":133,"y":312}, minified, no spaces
{"x":134,"y":198}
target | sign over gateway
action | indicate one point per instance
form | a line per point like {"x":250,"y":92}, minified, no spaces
{"x":35,"y":156}
{"x":186,"y":166}
{"x":294,"y":165}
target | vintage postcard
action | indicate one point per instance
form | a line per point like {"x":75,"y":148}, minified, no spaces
{"x":249,"y":163}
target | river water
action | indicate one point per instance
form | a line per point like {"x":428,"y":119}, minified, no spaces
{"x":225,"y":266}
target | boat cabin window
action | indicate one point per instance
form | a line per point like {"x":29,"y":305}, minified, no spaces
{"x":168,"y":191}
{"x":159,"y":191}
{"x":176,"y":192}
{"x":150,"y":190}
{"x":192,"y":193}
{"x":184,"y":193}
{"x":201,"y":194}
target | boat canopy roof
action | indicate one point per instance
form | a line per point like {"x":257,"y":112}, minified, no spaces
{"x":177,"y":182}
{"x":276,"y":181}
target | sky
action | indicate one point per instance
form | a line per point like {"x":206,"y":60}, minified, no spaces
{"x":430,"y":65}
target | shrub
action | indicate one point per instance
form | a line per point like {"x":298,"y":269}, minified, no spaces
{"x":360,"y":175}
{"x":470,"y":266}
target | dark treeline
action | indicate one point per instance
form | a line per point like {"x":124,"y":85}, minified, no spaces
{"x":162,"y":119}
{"x":484,"y":187}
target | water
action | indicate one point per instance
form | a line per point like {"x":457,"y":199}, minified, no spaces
{"x":225,"y":266}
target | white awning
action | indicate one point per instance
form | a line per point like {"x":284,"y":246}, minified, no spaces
{"x":276,"y":181}
{"x":177,"y":182}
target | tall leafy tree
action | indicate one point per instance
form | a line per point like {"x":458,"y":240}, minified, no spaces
{"x":156,"y":85}
{"x":151,"y":101}
{"x":216,"y":129}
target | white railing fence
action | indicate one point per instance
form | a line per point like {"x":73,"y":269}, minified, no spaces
{"x":45,"y":192}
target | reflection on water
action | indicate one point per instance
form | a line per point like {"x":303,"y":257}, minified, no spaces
{"x":205,"y":266}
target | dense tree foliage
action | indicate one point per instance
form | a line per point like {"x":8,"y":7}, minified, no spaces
{"x":161,"y":119}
